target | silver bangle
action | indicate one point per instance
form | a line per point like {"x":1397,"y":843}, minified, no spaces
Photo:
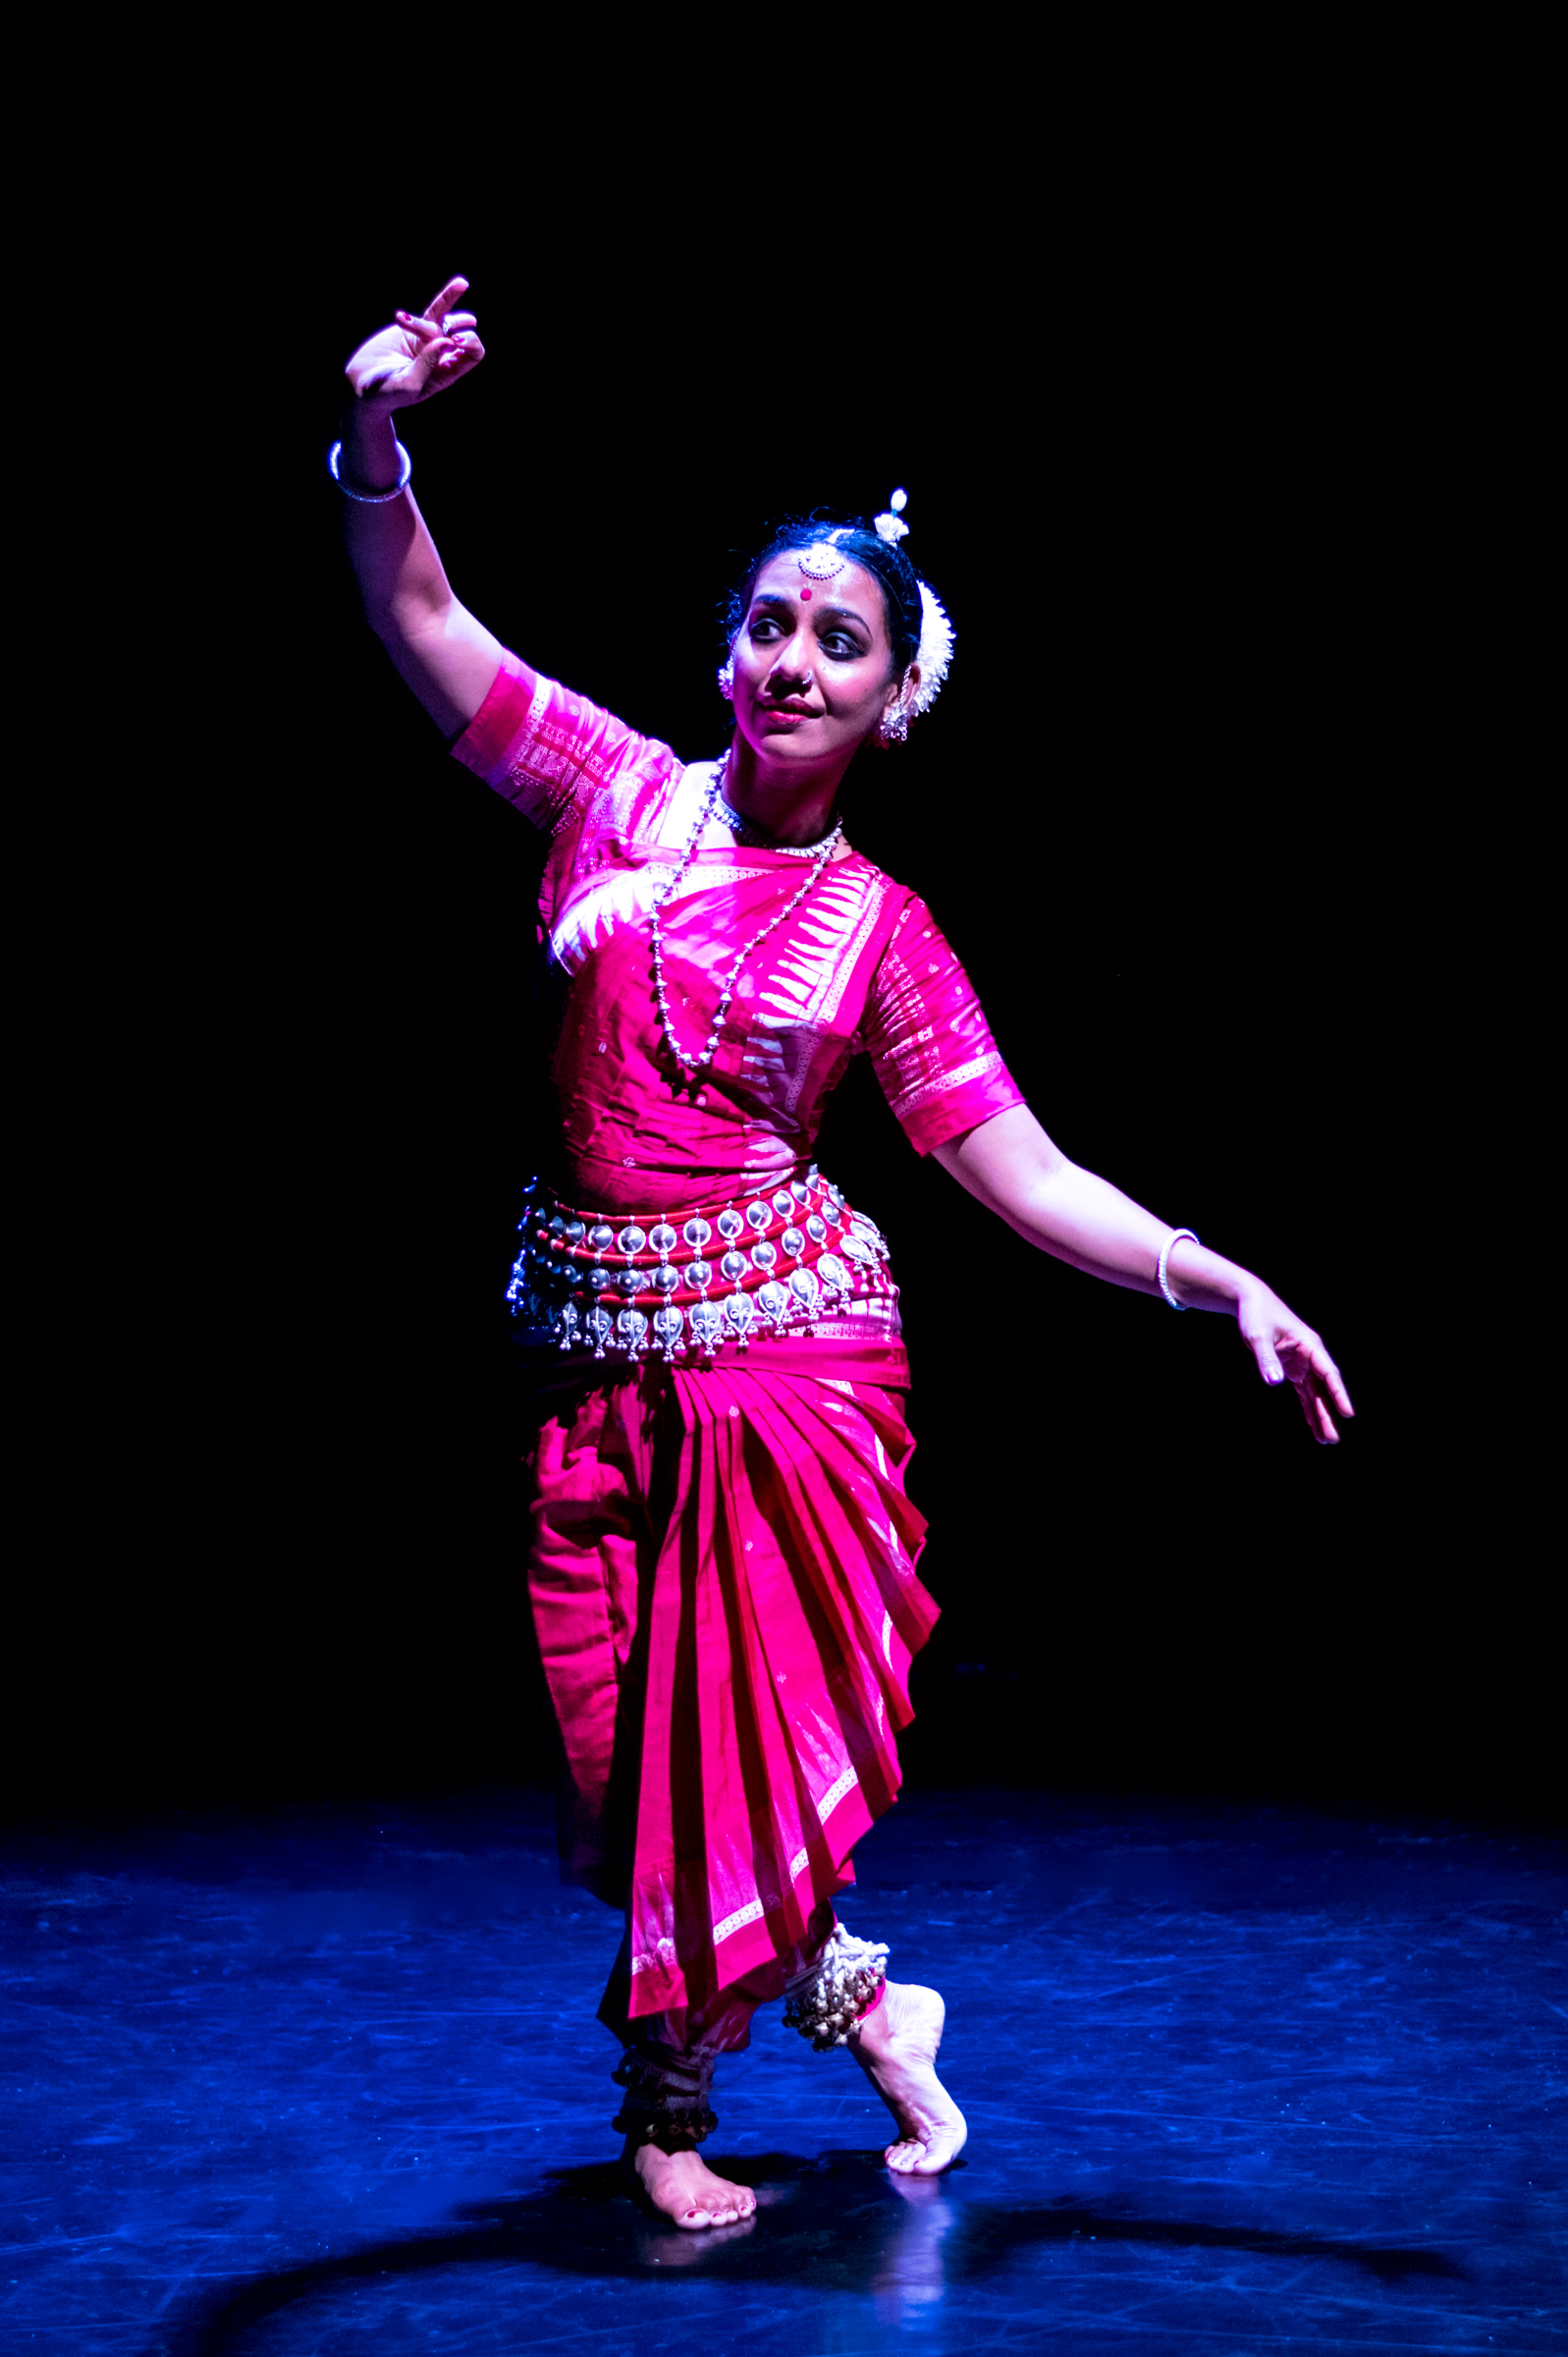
{"x":1174,"y":1238}
{"x":372,"y":499}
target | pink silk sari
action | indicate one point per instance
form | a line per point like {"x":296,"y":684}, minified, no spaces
{"x":722,"y":1578}
{"x":723,"y":1571}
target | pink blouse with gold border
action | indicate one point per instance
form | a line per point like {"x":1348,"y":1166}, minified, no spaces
{"x":858,"y":964}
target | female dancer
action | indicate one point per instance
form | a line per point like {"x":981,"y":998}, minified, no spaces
{"x":723,"y":1567}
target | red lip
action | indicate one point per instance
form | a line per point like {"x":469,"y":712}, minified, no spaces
{"x":789,"y":712}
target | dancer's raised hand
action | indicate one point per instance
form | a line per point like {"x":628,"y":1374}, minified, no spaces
{"x":444,"y":653}
{"x":420,"y":355}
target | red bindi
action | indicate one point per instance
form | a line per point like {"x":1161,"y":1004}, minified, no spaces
{"x":806,"y":596}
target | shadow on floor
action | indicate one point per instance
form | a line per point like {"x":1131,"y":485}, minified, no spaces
{"x":841,"y":2224}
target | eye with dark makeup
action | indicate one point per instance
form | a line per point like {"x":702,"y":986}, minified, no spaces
{"x":838,"y":644}
{"x":840,"y":647}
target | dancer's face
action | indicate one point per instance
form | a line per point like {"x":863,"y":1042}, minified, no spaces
{"x":813,"y":674}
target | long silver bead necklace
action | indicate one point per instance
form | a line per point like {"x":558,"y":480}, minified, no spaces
{"x":819,"y":853}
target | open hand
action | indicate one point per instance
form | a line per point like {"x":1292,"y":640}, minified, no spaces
{"x":1288,"y":1350}
{"x":417,"y":356}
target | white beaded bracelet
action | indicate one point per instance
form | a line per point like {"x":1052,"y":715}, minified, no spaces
{"x":372,"y":499}
{"x":1174,"y":1238}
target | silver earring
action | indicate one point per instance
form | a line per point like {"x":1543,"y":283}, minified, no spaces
{"x":726,"y":679}
{"x":894,"y":726}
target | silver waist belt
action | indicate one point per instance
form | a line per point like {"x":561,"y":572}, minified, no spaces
{"x":770,"y":1264}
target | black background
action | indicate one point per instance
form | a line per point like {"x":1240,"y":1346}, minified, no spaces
{"x":1168,"y":461}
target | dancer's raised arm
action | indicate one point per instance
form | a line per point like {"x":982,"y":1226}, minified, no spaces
{"x":447,"y":657}
{"x":1011,"y":1164}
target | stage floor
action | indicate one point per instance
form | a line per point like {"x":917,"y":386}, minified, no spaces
{"x":1237,"y":2079}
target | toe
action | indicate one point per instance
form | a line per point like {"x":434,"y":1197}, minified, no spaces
{"x":940,"y":2152}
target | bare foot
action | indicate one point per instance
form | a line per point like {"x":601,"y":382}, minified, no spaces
{"x":686,"y":2189}
{"x":897,"y":2048}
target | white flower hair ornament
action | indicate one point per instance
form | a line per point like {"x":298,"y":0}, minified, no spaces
{"x":935,"y":651}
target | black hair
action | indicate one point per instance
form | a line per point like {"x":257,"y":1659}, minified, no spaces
{"x":863,"y":545}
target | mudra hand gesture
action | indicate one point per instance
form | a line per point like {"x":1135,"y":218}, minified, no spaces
{"x":418,"y":356}
{"x":1288,"y":1350}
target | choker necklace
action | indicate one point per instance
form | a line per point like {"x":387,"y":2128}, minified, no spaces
{"x":740,"y":824}
{"x":818,"y":853}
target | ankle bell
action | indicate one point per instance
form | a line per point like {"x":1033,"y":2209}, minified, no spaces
{"x":666,"y":2097}
{"x":827,"y":2003}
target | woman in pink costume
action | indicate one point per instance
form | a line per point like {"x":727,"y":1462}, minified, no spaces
{"x":723,"y":1570}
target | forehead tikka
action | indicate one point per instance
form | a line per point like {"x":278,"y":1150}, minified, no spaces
{"x":820,"y":562}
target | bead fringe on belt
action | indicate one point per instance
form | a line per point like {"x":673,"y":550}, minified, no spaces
{"x":784,"y":1259}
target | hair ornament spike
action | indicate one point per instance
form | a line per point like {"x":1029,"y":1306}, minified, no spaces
{"x":935,"y":651}
{"x":892,"y":527}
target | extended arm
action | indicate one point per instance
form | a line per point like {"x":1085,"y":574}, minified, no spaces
{"x":447,"y":657}
{"x":1011,"y":1164}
